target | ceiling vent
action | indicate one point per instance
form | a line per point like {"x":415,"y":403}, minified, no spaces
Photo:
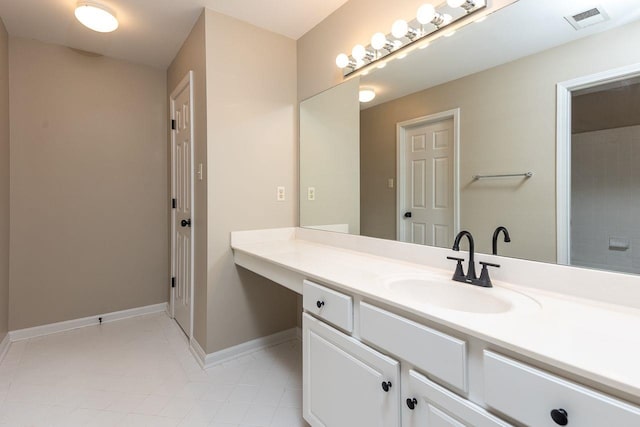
{"x":587,"y":18}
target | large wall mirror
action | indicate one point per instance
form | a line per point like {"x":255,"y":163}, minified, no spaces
{"x":472,"y":132}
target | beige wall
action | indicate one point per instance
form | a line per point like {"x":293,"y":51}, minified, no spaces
{"x":329,"y":158}
{"x":608,"y":109}
{"x":4,"y":181}
{"x":251,"y":150}
{"x":88,"y":185}
{"x":192,"y":56}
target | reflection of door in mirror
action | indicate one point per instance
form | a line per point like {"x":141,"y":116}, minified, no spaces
{"x":605,"y":177}
{"x":425,"y":177}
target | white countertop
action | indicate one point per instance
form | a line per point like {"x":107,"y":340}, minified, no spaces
{"x":597,"y":341}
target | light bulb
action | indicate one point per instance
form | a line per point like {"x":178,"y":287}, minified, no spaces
{"x":399,"y":28}
{"x":456,"y":3}
{"x":342,"y":60}
{"x":426,"y":13}
{"x":378,"y":41}
{"x":96,"y":17}
{"x":446,"y":19}
{"x":358,"y":52}
{"x":366,"y":95}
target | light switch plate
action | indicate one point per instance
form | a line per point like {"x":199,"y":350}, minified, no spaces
{"x":281,"y":196}
{"x":311,"y":193}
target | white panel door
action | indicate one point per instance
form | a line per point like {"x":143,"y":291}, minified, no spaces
{"x":343,"y":380}
{"x":182,"y":190}
{"x":427,"y":184}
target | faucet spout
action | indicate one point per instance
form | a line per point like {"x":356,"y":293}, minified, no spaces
{"x":471,"y":269}
{"x":496,"y":233}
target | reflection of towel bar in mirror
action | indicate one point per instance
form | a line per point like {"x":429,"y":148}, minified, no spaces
{"x":506,"y":175}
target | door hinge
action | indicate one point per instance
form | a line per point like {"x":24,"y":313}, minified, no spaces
{"x":174,"y":203}
{"x":173,"y":124}
{"x":173,"y":282}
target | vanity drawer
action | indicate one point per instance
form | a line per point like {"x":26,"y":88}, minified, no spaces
{"x":529,"y":395}
{"x":439,"y":355}
{"x":327,"y":304}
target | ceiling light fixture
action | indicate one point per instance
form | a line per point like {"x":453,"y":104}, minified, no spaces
{"x":366,"y":94}
{"x":96,"y":17}
{"x":429,"y":21}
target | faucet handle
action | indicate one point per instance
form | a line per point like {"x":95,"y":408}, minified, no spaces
{"x":489,"y":264}
{"x":458,"y":275}
{"x":484,"y":280}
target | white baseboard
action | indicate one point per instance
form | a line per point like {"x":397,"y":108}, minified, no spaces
{"x":4,"y":346}
{"x":52,"y":328}
{"x":213,"y":359}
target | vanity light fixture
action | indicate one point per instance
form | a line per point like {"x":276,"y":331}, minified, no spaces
{"x":366,"y":94}
{"x":96,"y":17}
{"x":401,"y":29}
{"x":429,"y":20}
{"x":465,"y":4}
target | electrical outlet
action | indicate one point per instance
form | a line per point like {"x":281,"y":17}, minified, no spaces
{"x":280,"y":194}
{"x":311,"y":193}
{"x":390,"y":183}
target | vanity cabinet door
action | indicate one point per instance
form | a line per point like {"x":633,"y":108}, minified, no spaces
{"x":345,"y":383}
{"x":428,"y":404}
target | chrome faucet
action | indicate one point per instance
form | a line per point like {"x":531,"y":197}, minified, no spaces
{"x":470,"y":277}
{"x":496,"y":233}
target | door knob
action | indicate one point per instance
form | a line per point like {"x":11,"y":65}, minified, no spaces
{"x":386,"y":385}
{"x":319,"y":304}
{"x":186,"y":222}
{"x":407,"y":214}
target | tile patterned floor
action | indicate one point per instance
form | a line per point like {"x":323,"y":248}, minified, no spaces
{"x":139,"y":372}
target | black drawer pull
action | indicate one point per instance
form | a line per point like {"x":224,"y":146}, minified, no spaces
{"x":560,"y":417}
{"x":412,"y":403}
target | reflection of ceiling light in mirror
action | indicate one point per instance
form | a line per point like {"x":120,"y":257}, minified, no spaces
{"x":481,"y":19}
{"x":402,"y":55}
{"x":449,"y":33}
{"x":96,"y":17}
{"x":382,"y":65}
{"x":447,"y":19}
{"x":366,"y":94}
{"x":364,"y":73}
{"x":424,"y":46}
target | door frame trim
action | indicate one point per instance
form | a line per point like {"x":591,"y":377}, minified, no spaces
{"x":187,"y":80}
{"x":401,"y":130}
{"x":563,"y":149}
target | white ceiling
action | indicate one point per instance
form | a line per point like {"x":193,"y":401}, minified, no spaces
{"x":152,"y":31}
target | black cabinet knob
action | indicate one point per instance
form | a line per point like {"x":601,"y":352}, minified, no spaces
{"x":412,"y":403}
{"x":386,"y":385}
{"x":186,"y":222}
{"x":319,"y":304}
{"x":560,"y":417}
{"x":407,"y":214}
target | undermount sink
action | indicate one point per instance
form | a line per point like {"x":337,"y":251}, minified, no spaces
{"x":451,"y":295}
